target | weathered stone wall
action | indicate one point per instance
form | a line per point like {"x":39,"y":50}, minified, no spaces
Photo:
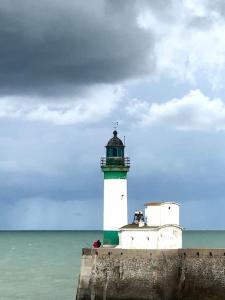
{"x":189,"y":274}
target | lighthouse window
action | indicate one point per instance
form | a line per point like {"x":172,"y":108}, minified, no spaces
{"x":114,"y":152}
{"x":120,"y":152}
{"x":111,"y":152}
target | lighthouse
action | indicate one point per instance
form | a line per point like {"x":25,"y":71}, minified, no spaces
{"x":115,"y":167}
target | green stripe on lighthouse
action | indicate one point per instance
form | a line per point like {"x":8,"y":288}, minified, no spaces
{"x":115,"y":175}
{"x":110,"y":237}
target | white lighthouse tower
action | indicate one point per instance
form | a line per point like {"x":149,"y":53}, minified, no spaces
{"x":115,"y":167}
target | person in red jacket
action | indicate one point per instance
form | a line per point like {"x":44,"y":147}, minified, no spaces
{"x":96,"y":244}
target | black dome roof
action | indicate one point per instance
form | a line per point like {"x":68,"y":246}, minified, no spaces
{"x":115,"y":141}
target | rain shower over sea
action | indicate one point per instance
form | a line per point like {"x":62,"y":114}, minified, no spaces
{"x":45,"y":265}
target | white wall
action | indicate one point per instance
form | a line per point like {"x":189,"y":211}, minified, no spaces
{"x":167,"y":237}
{"x":169,"y":213}
{"x":115,"y":204}
{"x":153,"y":215}
{"x":170,"y":238}
{"x":138,"y":239}
{"x":162,"y":214}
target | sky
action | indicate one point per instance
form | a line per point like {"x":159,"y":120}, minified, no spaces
{"x":69,"y":69}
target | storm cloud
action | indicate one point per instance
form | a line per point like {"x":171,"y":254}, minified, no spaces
{"x":50,"y":46}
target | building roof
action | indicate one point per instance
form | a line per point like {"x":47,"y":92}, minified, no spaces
{"x":115,"y":141}
{"x":132,"y":226}
{"x":146,"y":227}
{"x":153,"y":203}
{"x":159,"y":203}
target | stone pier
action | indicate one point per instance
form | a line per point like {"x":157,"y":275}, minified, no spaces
{"x":187,"y":274}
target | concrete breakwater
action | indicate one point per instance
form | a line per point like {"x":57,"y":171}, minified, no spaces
{"x":189,"y":274}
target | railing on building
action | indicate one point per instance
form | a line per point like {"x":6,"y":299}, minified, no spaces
{"x":115,"y":161}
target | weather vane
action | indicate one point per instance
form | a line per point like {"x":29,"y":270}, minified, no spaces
{"x":115,"y":125}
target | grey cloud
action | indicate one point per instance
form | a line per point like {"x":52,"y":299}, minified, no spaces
{"x":42,"y":162}
{"x":43,"y":213}
{"x":61,"y":168}
{"x":217,"y":5}
{"x":213,"y":11}
{"x":202,"y":23}
{"x":51,"y":45}
{"x":167,"y":165}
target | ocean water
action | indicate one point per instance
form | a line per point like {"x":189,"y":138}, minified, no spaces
{"x":41,"y":265}
{"x":45,"y":265}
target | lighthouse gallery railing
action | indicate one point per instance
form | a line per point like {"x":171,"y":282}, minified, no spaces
{"x":120,"y":161}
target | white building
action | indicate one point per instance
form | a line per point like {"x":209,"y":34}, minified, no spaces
{"x":160,"y":231}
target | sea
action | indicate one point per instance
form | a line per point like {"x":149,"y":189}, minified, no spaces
{"x":45,"y":265}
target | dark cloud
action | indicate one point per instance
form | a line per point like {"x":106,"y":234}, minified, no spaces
{"x":50,"y":45}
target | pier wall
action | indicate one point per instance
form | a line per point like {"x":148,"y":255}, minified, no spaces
{"x":187,"y":274}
